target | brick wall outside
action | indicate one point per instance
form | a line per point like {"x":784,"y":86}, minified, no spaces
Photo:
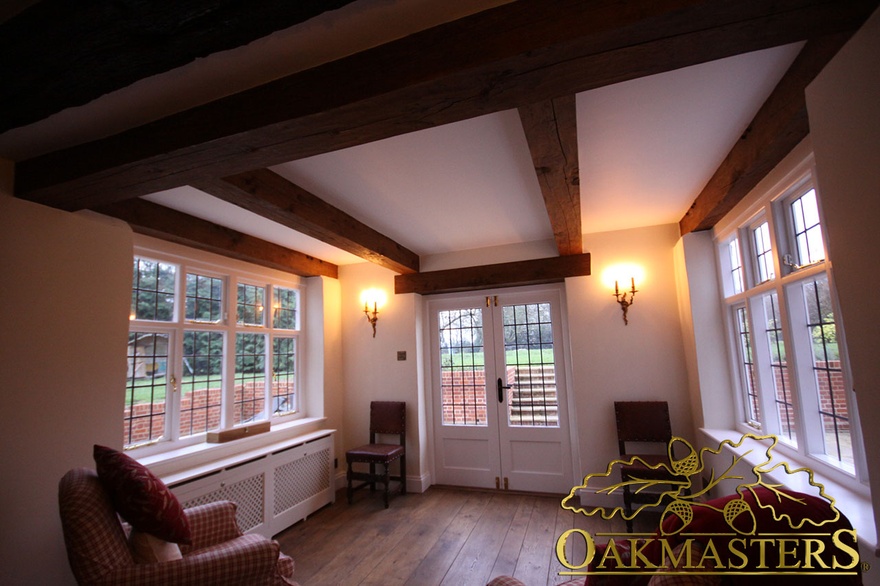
{"x":835,"y":390}
{"x":201,"y":408}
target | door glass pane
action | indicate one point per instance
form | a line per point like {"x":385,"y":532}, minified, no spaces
{"x":462,"y":367}
{"x":530,"y":370}
{"x":830,"y":386}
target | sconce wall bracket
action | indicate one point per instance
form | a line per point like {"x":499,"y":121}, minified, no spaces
{"x":623,"y":301}
{"x":372,"y":317}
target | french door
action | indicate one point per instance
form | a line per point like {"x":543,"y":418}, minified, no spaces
{"x":499,"y":394}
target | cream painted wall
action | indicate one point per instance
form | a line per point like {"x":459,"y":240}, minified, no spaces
{"x":612,"y":361}
{"x":64,"y":305}
{"x":371,"y":369}
{"x":323,"y":357}
{"x":705,"y":342}
{"x":845,"y":126}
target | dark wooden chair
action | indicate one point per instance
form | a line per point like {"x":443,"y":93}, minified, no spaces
{"x":386,"y":418}
{"x":645,"y":423}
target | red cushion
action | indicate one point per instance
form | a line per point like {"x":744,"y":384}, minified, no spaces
{"x":140,"y":497}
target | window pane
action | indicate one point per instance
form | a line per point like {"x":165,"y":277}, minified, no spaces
{"x":285,"y":308}
{"x":250,"y":378}
{"x":251,"y":299}
{"x":529,"y":365}
{"x":144,"y":416}
{"x":829,"y":375}
{"x":283,"y":376}
{"x":763,"y":253}
{"x":204,"y":298}
{"x":202,"y":382}
{"x":779,"y":367}
{"x":807,"y":231}
{"x":152,"y":295}
{"x":463,"y":384}
{"x":747,"y":366}
{"x":736,"y":270}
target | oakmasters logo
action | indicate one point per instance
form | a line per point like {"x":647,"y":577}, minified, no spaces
{"x":759,"y":528}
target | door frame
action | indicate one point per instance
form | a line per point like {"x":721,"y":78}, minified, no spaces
{"x":558,"y":292}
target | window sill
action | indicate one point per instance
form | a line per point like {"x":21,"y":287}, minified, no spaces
{"x":855,"y":504}
{"x":186,"y":462}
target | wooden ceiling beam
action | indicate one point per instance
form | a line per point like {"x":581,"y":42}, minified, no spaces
{"x":502,"y":58}
{"x":119,"y":43}
{"x":776,"y":129}
{"x":152,"y":219}
{"x":270,"y":195}
{"x":511,"y":274}
{"x":551,"y":131}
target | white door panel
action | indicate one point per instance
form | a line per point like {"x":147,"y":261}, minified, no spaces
{"x":500,"y":414}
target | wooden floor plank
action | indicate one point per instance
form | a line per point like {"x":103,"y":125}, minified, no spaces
{"x":411,"y":541}
{"x":505,"y":563}
{"x":442,"y":536}
{"x":533,"y":565}
{"x":434,"y":567}
{"x":476,"y":559}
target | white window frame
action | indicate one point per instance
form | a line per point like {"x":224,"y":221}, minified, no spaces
{"x":193,"y":261}
{"x":773,"y":208}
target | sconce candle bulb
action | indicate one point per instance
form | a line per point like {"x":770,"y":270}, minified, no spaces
{"x":374,"y":298}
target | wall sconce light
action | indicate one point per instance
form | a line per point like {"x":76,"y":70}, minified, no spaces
{"x":623,"y":301}
{"x":621,"y":273}
{"x":373,"y":300}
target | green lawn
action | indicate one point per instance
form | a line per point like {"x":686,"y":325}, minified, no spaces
{"x":153,"y":389}
{"x":523,"y":357}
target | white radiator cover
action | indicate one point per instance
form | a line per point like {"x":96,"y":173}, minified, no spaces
{"x":273,"y":489}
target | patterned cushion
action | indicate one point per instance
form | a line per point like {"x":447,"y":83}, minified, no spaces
{"x":148,"y":549}
{"x":140,"y":497}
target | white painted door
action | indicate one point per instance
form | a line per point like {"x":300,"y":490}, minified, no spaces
{"x":499,"y":393}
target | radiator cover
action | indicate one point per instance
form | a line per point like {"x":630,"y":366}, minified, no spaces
{"x":273,"y":490}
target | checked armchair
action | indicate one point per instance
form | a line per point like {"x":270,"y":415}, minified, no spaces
{"x":100,"y":550}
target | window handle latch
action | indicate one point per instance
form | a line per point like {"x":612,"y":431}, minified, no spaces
{"x":173,"y":384}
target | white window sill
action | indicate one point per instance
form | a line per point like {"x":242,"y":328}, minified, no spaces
{"x":854,"y":503}
{"x":179,"y":464}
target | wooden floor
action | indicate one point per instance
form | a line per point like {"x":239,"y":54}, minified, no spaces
{"x":442,"y":536}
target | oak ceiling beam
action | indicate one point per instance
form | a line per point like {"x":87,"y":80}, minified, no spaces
{"x":515,"y":54}
{"x":551,"y":131}
{"x":776,"y":129}
{"x":510,"y":274}
{"x":152,"y":219}
{"x":119,"y":43}
{"x":270,"y":195}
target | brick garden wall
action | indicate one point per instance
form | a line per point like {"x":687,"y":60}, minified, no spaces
{"x":200,"y":408}
{"x":835,"y":390}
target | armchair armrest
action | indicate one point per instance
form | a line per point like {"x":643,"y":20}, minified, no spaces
{"x":248,"y":559}
{"x":210,"y":524}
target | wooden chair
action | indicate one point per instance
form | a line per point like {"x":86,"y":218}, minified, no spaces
{"x":389,"y":418}
{"x":644,"y":422}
